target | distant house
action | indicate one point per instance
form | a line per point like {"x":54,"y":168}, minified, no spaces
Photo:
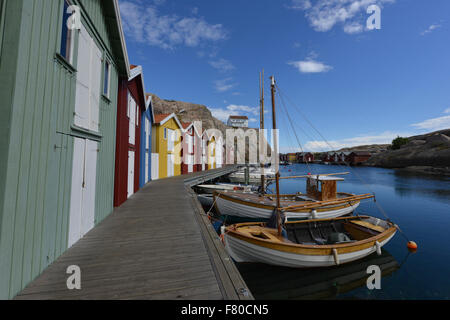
{"x":211,"y":148}
{"x":329,"y":157}
{"x":305,"y":157}
{"x":130,"y":135}
{"x":166,"y":143}
{"x":357,"y":158}
{"x":238,"y":121}
{"x":292,"y":157}
{"x":188,"y":150}
{"x":198,"y":147}
{"x":205,"y":139}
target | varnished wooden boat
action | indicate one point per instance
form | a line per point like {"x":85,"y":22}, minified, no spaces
{"x":210,"y":188}
{"x":322,"y":201}
{"x":316,"y":243}
{"x":254,"y":176}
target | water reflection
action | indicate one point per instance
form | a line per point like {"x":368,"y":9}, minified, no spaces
{"x":278,"y":283}
{"x":409,"y":184}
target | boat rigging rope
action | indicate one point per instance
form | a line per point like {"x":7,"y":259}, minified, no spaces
{"x":296,"y":108}
{"x":292,"y":126}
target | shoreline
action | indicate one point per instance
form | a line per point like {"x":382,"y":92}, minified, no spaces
{"x":425,"y":170}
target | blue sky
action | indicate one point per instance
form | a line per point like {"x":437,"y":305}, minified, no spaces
{"x":356,"y":86}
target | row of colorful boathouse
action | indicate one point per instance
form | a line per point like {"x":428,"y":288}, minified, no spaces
{"x":352,"y":158}
{"x":78,"y":135}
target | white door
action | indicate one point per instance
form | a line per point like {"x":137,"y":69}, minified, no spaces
{"x":130,"y":173}
{"x":155,"y":166}
{"x":170,"y":165}
{"x":82,"y":198}
{"x":147,"y":150}
{"x":88,"y":217}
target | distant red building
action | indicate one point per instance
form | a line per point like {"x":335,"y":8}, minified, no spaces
{"x":132,"y":103}
{"x":304,"y":157}
{"x":188,"y":150}
{"x":357,"y":158}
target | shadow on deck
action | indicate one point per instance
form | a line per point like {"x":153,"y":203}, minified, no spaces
{"x":158,"y":245}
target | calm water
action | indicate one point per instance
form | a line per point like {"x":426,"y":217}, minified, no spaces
{"x":420,"y":205}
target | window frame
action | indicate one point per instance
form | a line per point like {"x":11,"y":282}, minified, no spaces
{"x":68,"y":38}
{"x":106,"y":80}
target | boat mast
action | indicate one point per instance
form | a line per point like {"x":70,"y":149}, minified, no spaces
{"x":275,"y":148}
{"x":261,"y":125}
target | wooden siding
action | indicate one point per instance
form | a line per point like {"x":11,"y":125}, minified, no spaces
{"x":161,"y":147}
{"x":36,"y":139}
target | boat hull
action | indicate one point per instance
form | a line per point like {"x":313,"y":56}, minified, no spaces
{"x":243,"y":251}
{"x":206,"y":200}
{"x":250,"y":210}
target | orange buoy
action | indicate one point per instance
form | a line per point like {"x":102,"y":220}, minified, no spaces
{"x":412,"y":246}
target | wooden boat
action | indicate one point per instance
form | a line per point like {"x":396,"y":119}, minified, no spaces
{"x":322,"y":201}
{"x":205,"y":192}
{"x":254,"y":176}
{"x":316,"y":243}
{"x":307,"y":243}
{"x":210,"y":188}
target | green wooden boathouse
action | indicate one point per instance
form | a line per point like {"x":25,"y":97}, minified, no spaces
{"x":58,"y":103}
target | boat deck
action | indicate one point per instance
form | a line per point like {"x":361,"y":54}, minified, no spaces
{"x":158,"y":245}
{"x":270,"y":199}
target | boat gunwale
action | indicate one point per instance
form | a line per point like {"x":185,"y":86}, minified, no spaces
{"x":320,"y":208}
{"x":312,"y":249}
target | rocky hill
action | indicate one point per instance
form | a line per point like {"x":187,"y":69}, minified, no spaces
{"x":428,"y":153}
{"x":188,"y":112}
{"x":374,"y":148}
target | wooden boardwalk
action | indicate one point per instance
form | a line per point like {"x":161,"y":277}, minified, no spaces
{"x":157,"y":245}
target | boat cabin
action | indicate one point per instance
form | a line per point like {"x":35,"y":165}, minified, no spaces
{"x":322,"y":187}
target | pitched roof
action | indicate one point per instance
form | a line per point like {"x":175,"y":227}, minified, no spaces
{"x":161,"y":117}
{"x":239,"y":117}
{"x":186,"y":125}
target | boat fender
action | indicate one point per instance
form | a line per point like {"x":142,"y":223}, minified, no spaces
{"x":313,"y":214}
{"x":222,"y":234}
{"x":378,"y":245}
{"x":336,"y":257}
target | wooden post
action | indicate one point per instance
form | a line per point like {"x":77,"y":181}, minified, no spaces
{"x":275,"y":147}
{"x":261,"y":125}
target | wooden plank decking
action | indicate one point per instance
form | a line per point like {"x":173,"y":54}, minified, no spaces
{"x":157,"y":245}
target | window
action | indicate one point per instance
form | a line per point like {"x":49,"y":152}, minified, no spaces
{"x":137,"y":115}
{"x":171,"y":142}
{"x":106,"y":80}
{"x":66,"y":49}
{"x":165,"y":133}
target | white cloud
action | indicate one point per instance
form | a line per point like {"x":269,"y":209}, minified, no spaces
{"x":224,"y":85}
{"x":146,"y":25}
{"x":383,"y":138}
{"x":221,"y":114}
{"x":447,"y":110}
{"x":353,"y":28}
{"x":222,"y":65}
{"x":430,"y":29}
{"x":323,"y":15}
{"x":435,"y":123}
{"x":246,"y":109}
{"x":235,"y":110}
{"x":310,"y":66}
